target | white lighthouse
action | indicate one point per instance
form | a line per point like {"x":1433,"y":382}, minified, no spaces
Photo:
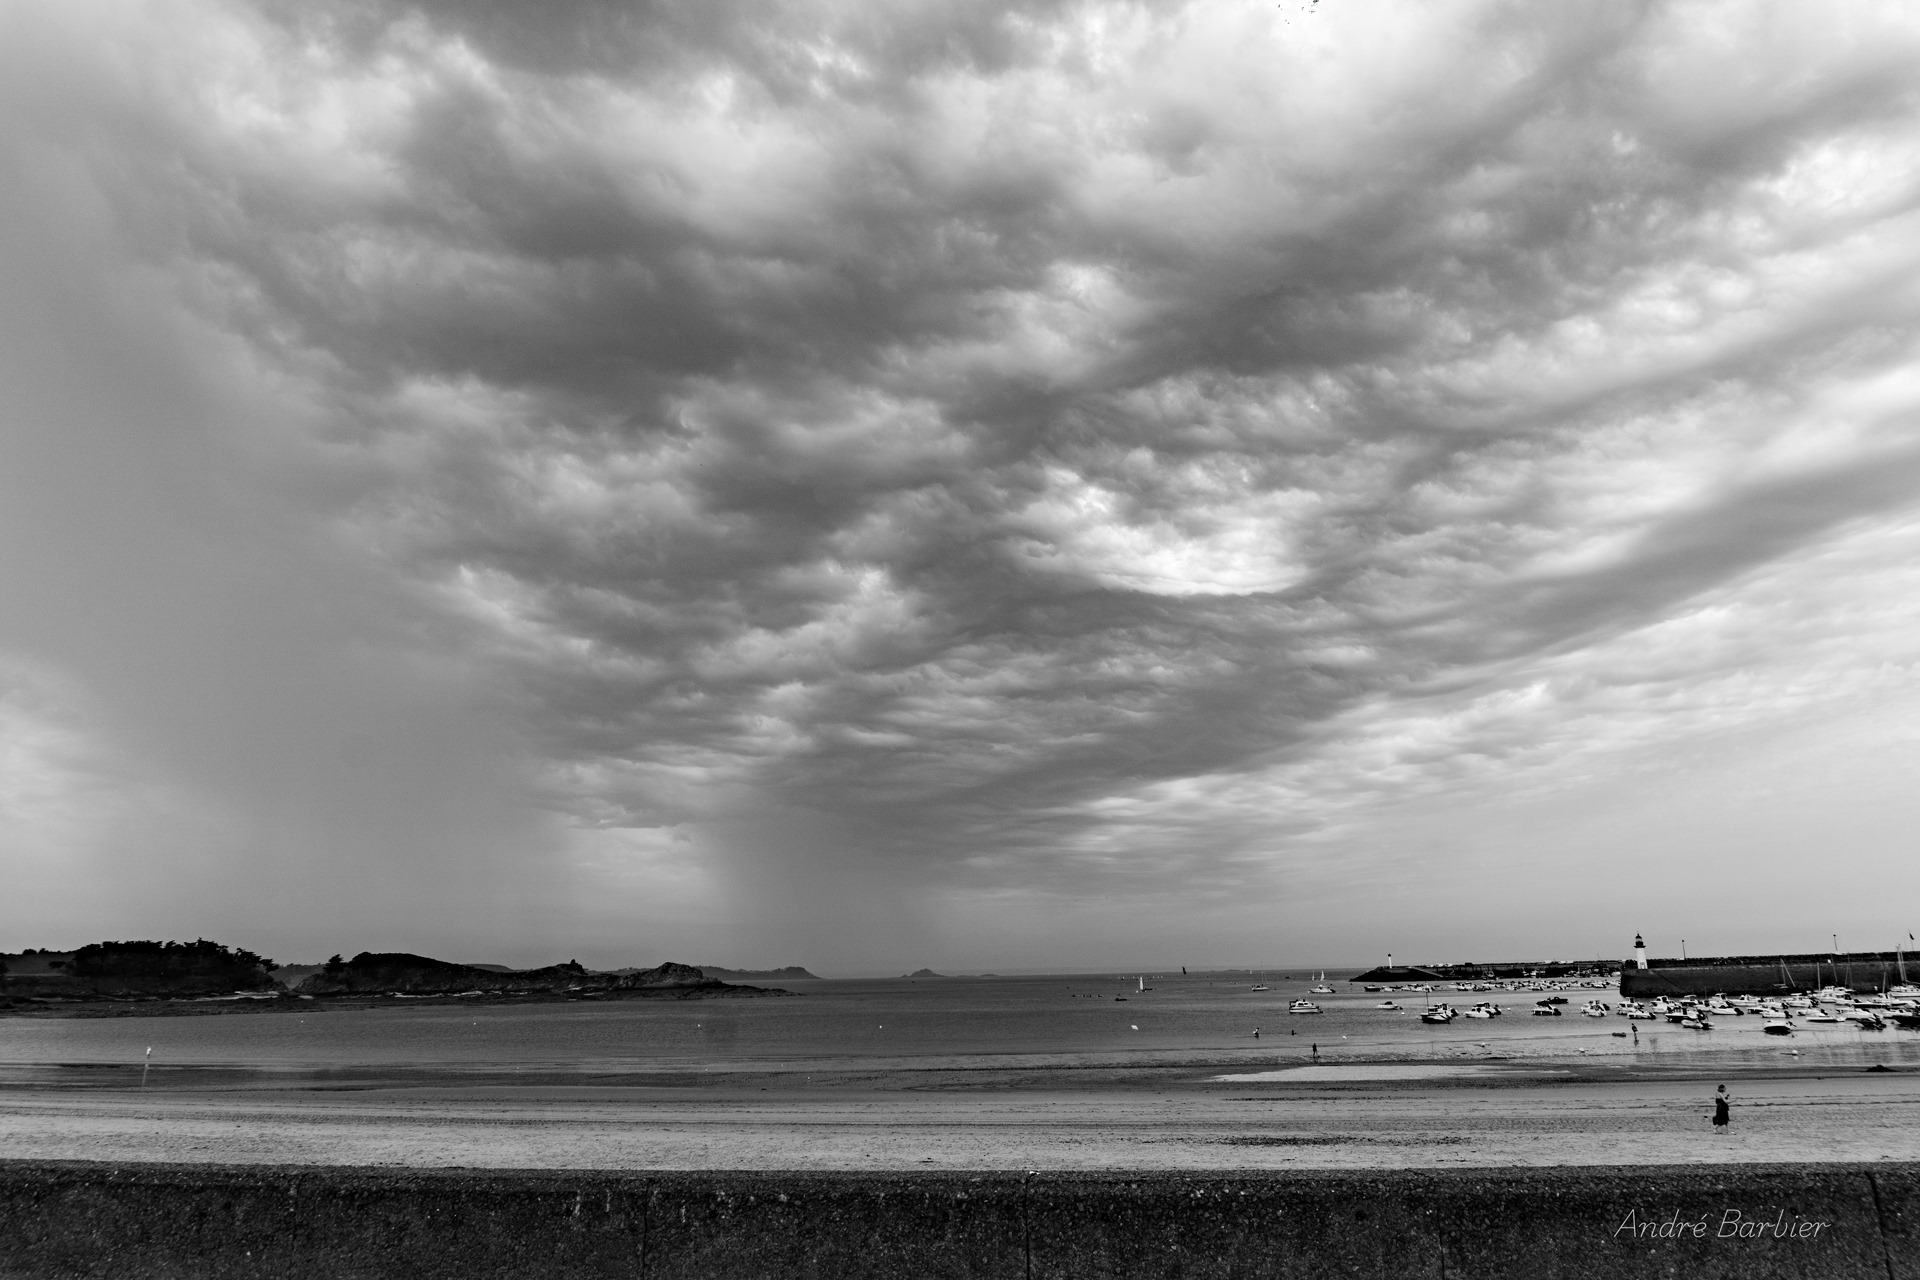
{"x":1639,"y":952}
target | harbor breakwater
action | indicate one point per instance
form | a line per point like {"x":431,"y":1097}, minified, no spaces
{"x":1830,"y":1221}
{"x":1764,"y":975}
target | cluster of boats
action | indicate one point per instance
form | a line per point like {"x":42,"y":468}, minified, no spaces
{"x":1443,"y":1013}
{"x":1830,"y":1006}
{"x":1512,"y":985}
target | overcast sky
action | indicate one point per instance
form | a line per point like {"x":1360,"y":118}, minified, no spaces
{"x":880,"y":484}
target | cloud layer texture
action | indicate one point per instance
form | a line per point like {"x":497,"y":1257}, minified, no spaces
{"x":1064,"y":443}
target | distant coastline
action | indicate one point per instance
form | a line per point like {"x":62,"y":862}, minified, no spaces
{"x":792,"y":973}
{"x":120,"y":979}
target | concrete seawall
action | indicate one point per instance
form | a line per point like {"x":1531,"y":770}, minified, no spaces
{"x":1832,"y":1222}
{"x":1861,"y":971}
{"x":1733,"y":979}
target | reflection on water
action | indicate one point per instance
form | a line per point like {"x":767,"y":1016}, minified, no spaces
{"x":1040,"y":1021}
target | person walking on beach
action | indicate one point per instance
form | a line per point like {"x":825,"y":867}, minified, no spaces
{"x":1720,"y":1104}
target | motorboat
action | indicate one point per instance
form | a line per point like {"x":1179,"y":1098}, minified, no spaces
{"x":1302,"y":1006}
{"x":1545,"y":1011}
{"x":1386,"y":1004}
{"x":1320,"y":987}
{"x":1820,"y":1015}
{"x":1777,"y":1027}
{"x":1697,"y":1022}
{"x":1593,"y":1009}
{"x":1440,"y":1014}
{"x":1260,"y":986}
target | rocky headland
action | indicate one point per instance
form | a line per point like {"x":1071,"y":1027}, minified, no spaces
{"x":126,"y":978}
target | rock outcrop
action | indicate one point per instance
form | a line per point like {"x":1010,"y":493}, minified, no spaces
{"x":400,"y":973}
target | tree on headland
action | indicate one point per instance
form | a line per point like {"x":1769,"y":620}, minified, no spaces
{"x":198,"y":965}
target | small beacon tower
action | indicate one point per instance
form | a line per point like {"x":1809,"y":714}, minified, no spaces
{"x":1639,"y":952}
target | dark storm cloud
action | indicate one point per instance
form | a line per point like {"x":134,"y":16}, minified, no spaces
{"x":1010,"y":429}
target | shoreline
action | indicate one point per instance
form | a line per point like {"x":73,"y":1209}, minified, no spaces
{"x":1066,"y":1119}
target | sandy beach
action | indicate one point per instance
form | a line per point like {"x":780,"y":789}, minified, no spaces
{"x":1393,"y":1115}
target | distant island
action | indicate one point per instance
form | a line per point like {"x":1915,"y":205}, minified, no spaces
{"x":923,"y":973}
{"x":117,"y":978}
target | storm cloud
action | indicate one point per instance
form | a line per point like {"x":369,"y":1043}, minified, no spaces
{"x":883,"y":470}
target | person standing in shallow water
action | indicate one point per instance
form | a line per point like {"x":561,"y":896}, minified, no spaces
{"x":1720,"y":1104}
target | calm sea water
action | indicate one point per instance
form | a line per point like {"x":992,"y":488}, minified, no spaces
{"x":1012,"y":1021}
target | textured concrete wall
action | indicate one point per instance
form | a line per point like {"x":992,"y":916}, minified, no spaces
{"x":1734,"y":979}
{"x":1828,"y":1222}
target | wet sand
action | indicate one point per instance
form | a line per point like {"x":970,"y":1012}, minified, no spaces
{"x":1342,"y":1116}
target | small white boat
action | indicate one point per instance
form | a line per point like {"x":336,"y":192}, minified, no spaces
{"x":1260,"y":986}
{"x":1320,"y":987}
{"x":1593,"y":1009}
{"x":1386,"y":1004}
{"x":1545,"y":1011}
{"x":1777,"y":1027}
{"x":1302,"y":1006}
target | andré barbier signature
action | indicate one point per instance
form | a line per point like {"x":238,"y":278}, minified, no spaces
{"x":1733,"y":1225}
